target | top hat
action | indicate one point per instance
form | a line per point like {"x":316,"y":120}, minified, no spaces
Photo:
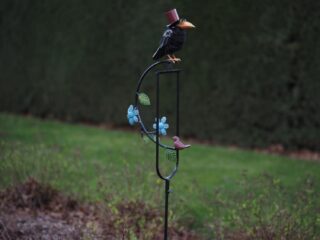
{"x":172,"y":16}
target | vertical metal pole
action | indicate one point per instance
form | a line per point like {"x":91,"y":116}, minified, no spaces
{"x":177,"y":106}
{"x":167,"y":191}
{"x":167,"y":182}
{"x":157,"y":122}
{"x":166,"y":179}
{"x":178,"y":115}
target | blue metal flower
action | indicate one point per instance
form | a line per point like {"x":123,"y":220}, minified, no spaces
{"x":163,"y":126}
{"x":132,"y":115}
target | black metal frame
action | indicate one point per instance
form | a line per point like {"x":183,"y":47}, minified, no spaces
{"x":166,"y":179}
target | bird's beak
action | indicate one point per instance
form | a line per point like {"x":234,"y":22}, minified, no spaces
{"x":185,"y":25}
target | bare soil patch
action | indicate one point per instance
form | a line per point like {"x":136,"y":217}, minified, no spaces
{"x":35,"y":211}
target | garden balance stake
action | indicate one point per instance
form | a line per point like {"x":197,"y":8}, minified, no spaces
{"x":172,"y":41}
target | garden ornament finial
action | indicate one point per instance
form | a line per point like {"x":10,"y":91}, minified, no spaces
{"x":172,"y":41}
{"x":173,"y":37}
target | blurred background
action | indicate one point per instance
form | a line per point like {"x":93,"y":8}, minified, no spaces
{"x":250,"y":80}
{"x":250,"y":67}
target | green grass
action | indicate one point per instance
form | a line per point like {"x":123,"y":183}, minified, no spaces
{"x":90,"y":162}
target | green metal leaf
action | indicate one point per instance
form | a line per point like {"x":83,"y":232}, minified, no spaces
{"x":171,"y":155}
{"x":144,"y":99}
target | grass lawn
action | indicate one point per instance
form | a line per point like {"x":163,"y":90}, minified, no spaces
{"x":90,"y":162}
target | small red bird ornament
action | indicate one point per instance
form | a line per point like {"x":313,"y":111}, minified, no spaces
{"x":178,"y":144}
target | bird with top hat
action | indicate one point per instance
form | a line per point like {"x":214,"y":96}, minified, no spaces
{"x":173,"y":37}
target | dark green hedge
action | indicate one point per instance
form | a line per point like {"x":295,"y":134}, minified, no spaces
{"x":251,"y":68}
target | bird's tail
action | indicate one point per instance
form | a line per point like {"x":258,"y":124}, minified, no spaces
{"x":156,"y":55}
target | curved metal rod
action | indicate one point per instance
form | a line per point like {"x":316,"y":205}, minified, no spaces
{"x":174,"y":171}
{"x":143,"y":128}
{"x":145,"y":73}
{"x":171,"y":175}
{"x":149,"y":134}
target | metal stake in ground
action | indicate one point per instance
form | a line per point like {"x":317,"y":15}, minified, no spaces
{"x":171,"y":41}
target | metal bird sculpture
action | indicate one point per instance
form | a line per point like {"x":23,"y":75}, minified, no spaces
{"x":173,"y":37}
{"x":178,"y":144}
